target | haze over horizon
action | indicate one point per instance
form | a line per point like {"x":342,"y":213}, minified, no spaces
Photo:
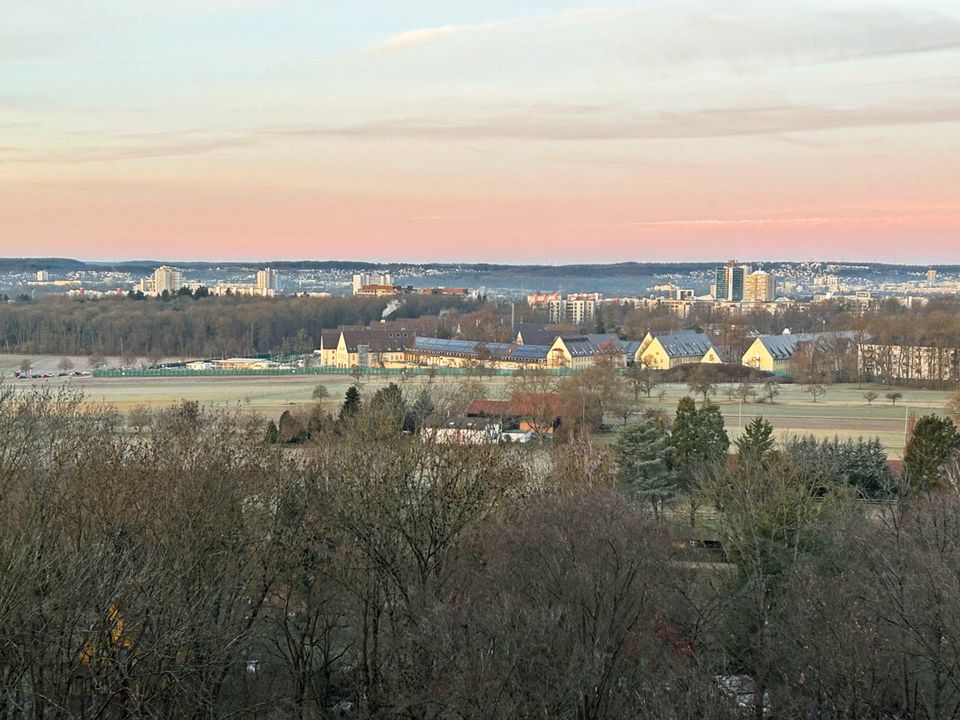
{"x":512,"y":132}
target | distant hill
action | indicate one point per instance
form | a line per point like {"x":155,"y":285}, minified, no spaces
{"x":623,"y":269}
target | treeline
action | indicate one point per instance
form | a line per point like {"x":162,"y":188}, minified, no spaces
{"x":182,"y":326}
{"x":187,"y":568}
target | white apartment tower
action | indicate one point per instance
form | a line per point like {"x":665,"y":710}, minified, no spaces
{"x":268,"y":281}
{"x":167,"y":278}
{"x":576,"y":309}
{"x":378,"y":278}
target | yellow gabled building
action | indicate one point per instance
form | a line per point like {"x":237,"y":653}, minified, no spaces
{"x":775,"y":353}
{"x":584,"y":351}
{"x":365,"y":348}
{"x":662,"y":352}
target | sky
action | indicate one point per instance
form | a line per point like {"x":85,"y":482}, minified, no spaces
{"x":504,"y":131}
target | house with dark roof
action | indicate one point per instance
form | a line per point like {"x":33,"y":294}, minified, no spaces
{"x":536,"y":334}
{"x":361,"y":347}
{"x":443,"y":352}
{"x":775,"y":353}
{"x":662,"y":352}
{"x":577,"y":352}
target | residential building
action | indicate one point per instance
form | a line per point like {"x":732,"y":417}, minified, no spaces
{"x":905,"y":363}
{"x":541,"y":299}
{"x":662,"y":352}
{"x":439,"y":352}
{"x":167,"y":279}
{"x":776,"y":353}
{"x":573,"y":352}
{"x":730,"y":281}
{"x":470,"y":431}
{"x":361,"y":280}
{"x":268,"y":281}
{"x":383,"y":290}
{"x":535,"y":334}
{"x":361,"y":347}
{"x":576,"y":309}
{"x":577,"y":352}
{"x":43,"y":276}
{"x":759,"y":287}
{"x":538,"y":413}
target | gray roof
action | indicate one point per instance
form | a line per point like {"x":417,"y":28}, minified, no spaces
{"x":375,"y":340}
{"x":783,"y":347}
{"x":687,"y":343}
{"x":631,"y":347}
{"x":475,"y":349}
{"x":591,"y":344}
{"x":535,"y":334}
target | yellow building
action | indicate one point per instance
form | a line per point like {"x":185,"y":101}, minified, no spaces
{"x":662,"y":352}
{"x":365,"y":348}
{"x":583,"y":351}
{"x":775,"y":353}
{"x":759,"y":287}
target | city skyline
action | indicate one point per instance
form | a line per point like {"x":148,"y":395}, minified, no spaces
{"x":524,"y":132}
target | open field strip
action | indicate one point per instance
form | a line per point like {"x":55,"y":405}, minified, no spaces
{"x":841,"y":412}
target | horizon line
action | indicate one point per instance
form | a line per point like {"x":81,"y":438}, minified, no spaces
{"x":267,"y":262}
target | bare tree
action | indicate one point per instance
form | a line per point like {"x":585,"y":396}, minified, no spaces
{"x":771,"y":388}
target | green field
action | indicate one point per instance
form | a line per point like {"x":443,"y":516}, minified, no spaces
{"x":842,"y":411}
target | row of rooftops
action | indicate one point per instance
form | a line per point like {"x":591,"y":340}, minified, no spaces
{"x":534,"y":342}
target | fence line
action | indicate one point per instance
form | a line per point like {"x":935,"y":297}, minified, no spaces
{"x":249,"y":372}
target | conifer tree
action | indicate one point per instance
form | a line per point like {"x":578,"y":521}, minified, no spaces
{"x":698,"y":437}
{"x":642,"y":451}
{"x":757,"y":442}
{"x":351,"y":403}
{"x":933,"y":442}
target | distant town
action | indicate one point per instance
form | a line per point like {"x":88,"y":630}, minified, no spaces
{"x":568,"y":291}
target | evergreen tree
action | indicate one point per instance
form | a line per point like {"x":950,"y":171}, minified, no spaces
{"x":822,"y":464}
{"x":714,"y":441}
{"x":388,"y":404}
{"x":351,"y":403}
{"x":933,"y":442}
{"x":698,"y":438}
{"x":756,"y":443}
{"x":642,"y":451}
{"x":421,"y":410}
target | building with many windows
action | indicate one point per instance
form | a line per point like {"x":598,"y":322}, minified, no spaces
{"x":361,"y":280}
{"x":576,"y":309}
{"x":662,"y":352}
{"x":268,"y":281}
{"x":730,"y":281}
{"x":759,"y":287}
{"x":167,"y":279}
